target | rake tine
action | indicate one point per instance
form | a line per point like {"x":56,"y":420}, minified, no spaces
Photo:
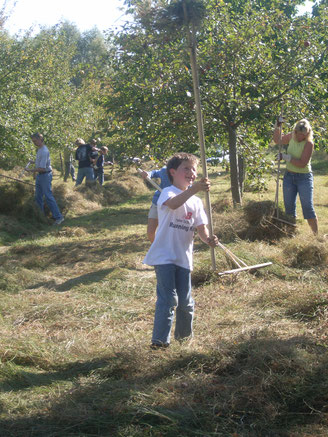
{"x":284,"y":221}
{"x":244,"y":269}
{"x":234,"y":258}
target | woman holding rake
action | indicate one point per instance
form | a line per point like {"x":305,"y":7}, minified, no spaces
{"x":298,"y":178}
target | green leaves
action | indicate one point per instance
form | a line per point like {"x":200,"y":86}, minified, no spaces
{"x":251,"y":55}
{"x":43,"y":89}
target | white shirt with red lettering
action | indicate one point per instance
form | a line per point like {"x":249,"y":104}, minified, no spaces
{"x":174,"y":238}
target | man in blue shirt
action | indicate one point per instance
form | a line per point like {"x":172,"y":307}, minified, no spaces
{"x":43,"y":178}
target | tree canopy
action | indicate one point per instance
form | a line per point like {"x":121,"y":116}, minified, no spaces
{"x":48,"y":83}
{"x":134,"y":88}
{"x":252,"y":57}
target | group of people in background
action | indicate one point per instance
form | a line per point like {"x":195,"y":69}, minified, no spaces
{"x":91,"y":161}
{"x":91,"y":166}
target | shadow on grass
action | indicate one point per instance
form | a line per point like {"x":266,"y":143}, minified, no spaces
{"x":13,"y":229}
{"x":88,"y":278}
{"x":110,"y":218}
{"x":68,"y":253}
{"x":259,"y":387}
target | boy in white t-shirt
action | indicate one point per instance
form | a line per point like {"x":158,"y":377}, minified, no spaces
{"x":179,"y":214}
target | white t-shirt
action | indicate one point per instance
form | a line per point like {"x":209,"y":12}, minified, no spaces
{"x":173,"y":242}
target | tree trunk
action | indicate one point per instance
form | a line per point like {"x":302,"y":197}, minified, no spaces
{"x":234,"y":169}
{"x":61,"y":164}
{"x":241,"y":167}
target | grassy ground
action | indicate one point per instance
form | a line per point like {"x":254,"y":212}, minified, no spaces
{"x":76,"y":313}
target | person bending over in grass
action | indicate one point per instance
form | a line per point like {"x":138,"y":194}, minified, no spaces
{"x":153,"y":215}
{"x":180,"y":212}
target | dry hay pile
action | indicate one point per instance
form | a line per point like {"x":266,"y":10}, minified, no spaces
{"x":203,"y":275}
{"x":125,"y":187}
{"x":17,"y":198}
{"x":13,"y":197}
{"x":253,"y":222}
{"x":70,"y":199}
{"x":228,"y":225}
{"x":301,"y":253}
{"x":261,"y":225}
{"x":92,"y":196}
{"x":222,"y":204}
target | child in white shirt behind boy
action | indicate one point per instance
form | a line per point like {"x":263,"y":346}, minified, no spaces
{"x":180,"y":212}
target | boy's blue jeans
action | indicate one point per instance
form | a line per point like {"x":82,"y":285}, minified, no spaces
{"x":100,"y":176}
{"x":173,"y":292}
{"x":301,"y":183}
{"x":43,"y":189}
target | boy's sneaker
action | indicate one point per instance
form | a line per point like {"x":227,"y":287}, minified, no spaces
{"x":59,"y":221}
{"x":159,"y":345}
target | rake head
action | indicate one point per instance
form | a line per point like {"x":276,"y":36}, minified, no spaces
{"x":245,"y":269}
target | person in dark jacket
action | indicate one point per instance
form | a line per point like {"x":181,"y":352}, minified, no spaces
{"x":83,"y":156}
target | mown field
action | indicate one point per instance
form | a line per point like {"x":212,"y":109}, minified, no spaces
{"x":76,"y":313}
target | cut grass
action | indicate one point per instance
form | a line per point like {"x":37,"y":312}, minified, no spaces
{"x":77,"y":310}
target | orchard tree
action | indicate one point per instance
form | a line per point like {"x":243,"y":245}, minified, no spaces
{"x":38,"y":93}
{"x":150,"y":101}
{"x":60,"y":108}
{"x":90,"y":52}
{"x":15,"y":117}
{"x":256,"y":56}
{"x":251,"y":56}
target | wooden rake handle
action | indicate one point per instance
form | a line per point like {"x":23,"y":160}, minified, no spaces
{"x":153,"y":183}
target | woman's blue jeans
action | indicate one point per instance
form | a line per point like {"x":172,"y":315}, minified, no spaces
{"x":173,"y":293}
{"x":43,"y":190}
{"x":301,"y":183}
